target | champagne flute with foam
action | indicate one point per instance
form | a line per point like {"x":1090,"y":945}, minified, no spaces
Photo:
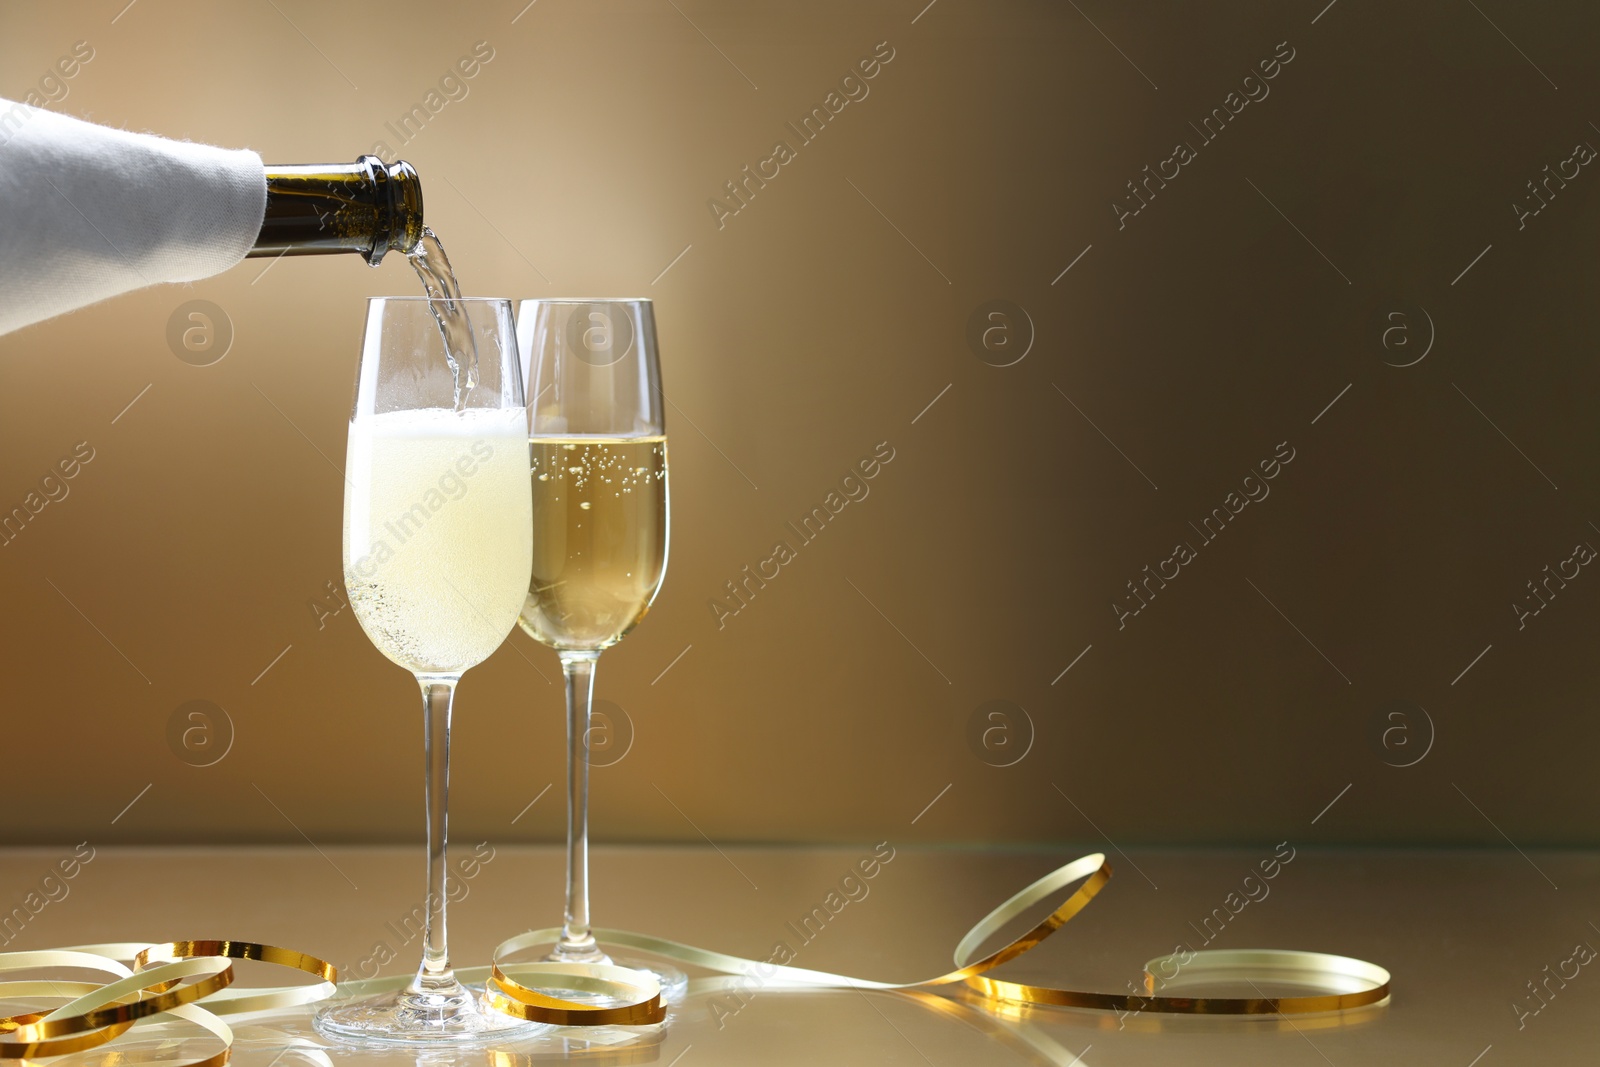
{"x":437,"y":554}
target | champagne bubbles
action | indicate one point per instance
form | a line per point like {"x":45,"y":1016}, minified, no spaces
{"x":599,"y":334}
{"x":1000,"y":332}
{"x":199,"y":332}
{"x":199,"y":733}
{"x":610,"y":734}
{"x":1000,"y":733}
{"x":1401,"y":733}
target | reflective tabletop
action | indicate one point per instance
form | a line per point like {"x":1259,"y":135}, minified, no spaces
{"x":1488,"y":949}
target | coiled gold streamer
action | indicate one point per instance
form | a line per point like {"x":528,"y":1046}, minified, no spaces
{"x":150,"y":988}
{"x":1349,"y":983}
{"x":170,"y":978}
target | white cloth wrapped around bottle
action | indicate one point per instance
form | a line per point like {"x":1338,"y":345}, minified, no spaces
{"x":88,"y":212}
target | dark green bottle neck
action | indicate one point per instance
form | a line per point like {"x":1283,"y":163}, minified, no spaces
{"x":368,"y":206}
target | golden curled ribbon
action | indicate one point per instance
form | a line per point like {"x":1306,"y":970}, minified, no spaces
{"x":641,"y":994}
{"x":1349,"y":983}
{"x":156,"y":983}
{"x":102,"y":1012}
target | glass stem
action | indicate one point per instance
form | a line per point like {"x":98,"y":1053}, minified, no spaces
{"x":577,"y":944}
{"x":435,"y":978}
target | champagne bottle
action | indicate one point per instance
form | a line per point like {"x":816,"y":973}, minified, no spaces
{"x":368,"y":206}
{"x":88,"y":212}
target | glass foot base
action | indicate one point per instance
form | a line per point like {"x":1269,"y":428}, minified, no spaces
{"x":673,"y":982}
{"x":410,"y":1019}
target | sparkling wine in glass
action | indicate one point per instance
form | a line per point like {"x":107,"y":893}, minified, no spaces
{"x":437,"y":555}
{"x":599,"y":470}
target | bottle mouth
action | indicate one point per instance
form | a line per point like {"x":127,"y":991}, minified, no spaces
{"x":399,"y":190}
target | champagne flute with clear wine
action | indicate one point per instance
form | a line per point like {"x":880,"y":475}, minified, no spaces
{"x":437,"y":555}
{"x":600,"y":512}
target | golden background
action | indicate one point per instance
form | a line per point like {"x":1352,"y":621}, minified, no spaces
{"x":1256,"y":690}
